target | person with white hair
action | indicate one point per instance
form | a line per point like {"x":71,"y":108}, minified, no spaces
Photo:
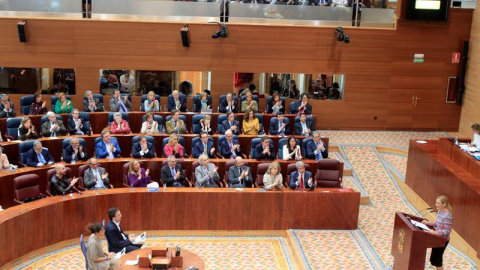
{"x":239,"y":176}
{"x":91,"y":104}
{"x":75,"y":151}
{"x":53,"y":127}
{"x":172,"y":174}
{"x":206,"y":173}
{"x":119,"y":125}
{"x":59,"y":184}
{"x":229,"y":104}
{"x":177,"y":102}
{"x":301,"y":178}
{"x":39,"y":156}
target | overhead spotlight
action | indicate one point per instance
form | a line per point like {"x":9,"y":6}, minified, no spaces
{"x":222,"y":33}
{"x":341,"y":36}
{"x":185,"y":36}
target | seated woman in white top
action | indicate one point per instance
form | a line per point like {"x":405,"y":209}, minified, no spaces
{"x":291,"y":151}
{"x":273,"y":178}
{"x":150,"y":126}
{"x":151,"y":104}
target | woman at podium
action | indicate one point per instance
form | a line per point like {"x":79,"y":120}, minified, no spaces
{"x":443,"y":228}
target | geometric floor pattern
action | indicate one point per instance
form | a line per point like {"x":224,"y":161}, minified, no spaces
{"x":368,"y":247}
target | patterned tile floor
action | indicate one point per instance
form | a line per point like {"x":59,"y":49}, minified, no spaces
{"x":368,"y":247}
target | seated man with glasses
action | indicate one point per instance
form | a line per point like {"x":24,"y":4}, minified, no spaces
{"x":239,"y":176}
{"x":230,"y":147}
{"x":206,"y":173}
{"x":204,"y":146}
{"x":95,"y":177}
{"x":172,"y":173}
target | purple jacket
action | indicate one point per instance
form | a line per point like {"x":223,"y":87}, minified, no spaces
{"x":133,"y":179}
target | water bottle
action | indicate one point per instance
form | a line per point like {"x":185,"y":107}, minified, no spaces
{"x":131,"y":188}
{"x":164,"y":187}
{"x":63,"y":196}
{"x":456,"y":140}
{"x":73,"y":161}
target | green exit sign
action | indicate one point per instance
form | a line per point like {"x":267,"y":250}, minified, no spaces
{"x":418,"y":58}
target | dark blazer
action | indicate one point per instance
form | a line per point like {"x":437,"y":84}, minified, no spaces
{"x":62,"y":131}
{"x":226,"y":126}
{"x":60,"y":186}
{"x":3,"y":113}
{"x":22,"y":134}
{"x":137,"y":148}
{"x":224,"y":104}
{"x":298,"y":127}
{"x":259,"y":152}
{"x":311,"y":147}
{"x":98,"y":105}
{"x":274,"y":127}
{"x":226,"y":151}
{"x":198,"y":149}
{"x":234,"y":174}
{"x":72,"y":129}
{"x":198,"y":104}
{"x":90,"y":181}
{"x":296,"y":105}
{"x":183,"y":103}
{"x":294,"y":177}
{"x":167,"y":177}
{"x":101,"y":149}
{"x":115,"y":239}
{"x":68,"y":153}
{"x":32,"y":158}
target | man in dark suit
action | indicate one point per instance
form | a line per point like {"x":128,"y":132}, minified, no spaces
{"x":116,"y":238}
{"x":53,"y":127}
{"x":304,"y":127}
{"x":315,"y":149}
{"x":172,"y":174}
{"x":230,"y":148}
{"x":143,"y":149}
{"x":76,"y":124}
{"x":7,"y":108}
{"x":265,"y":150}
{"x":239,"y":176}
{"x":204,"y":146}
{"x":279,"y":125}
{"x":75,"y":151}
{"x":95,"y":177}
{"x":91,"y":104}
{"x":301,"y":178}
{"x":231,"y":124}
{"x":301,"y":106}
{"x":177,"y":102}
{"x":39,"y":156}
{"x":228,"y":105}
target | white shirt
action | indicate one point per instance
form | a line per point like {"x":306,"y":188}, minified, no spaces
{"x":476,"y":140}
{"x":110,"y":153}
{"x":118,"y":226}
{"x":127,"y":86}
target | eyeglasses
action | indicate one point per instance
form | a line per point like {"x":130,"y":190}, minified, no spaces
{"x":203,"y":137}
{"x":173,"y":161}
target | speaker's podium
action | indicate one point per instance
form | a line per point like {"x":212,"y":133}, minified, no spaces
{"x":409,"y":243}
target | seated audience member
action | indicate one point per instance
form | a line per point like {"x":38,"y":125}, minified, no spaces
{"x":476,"y":135}
{"x":75,"y":151}
{"x":108,"y":147}
{"x":61,"y":86}
{"x":301,"y":106}
{"x":315,"y":149}
{"x":138,"y":177}
{"x":75,"y":124}
{"x":151,"y":104}
{"x":206,"y":125}
{"x":26,"y":131}
{"x":291,"y":151}
{"x":230,"y":146}
{"x":273,"y":179}
{"x":53,"y":127}
{"x":95,"y":177}
{"x":175,"y":124}
{"x":97,"y":259}
{"x":115,"y":265}
{"x":251,"y":125}
{"x":118,"y":125}
{"x":7,"y":108}
{"x":249,"y":103}
{"x":279,"y":126}
{"x":239,"y":175}
{"x":301,"y":178}
{"x":177,"y":102}
{"x":150,"y":126}
{"x":38,"y":106}
{"x":291,"y":91}
{"x":91,"y":104}
{"x":172,"y":174}
{"x":127,"y":82}
{"x":63,"y":105}
{"x":4,"y":164}
{"x":276,"y":106}
{"x":228,"y":105}
{"x":143,"y":149}
{"x":333,"y":92}
{"x":173,"y":148}
{"x":263,"y":151}
{"x":253,"y":89}
{"x":59,"y":184}
{"x":203,"y":103}
{"x":204,"y":146}
{"x":304,"y":127}
{"x":119,"y":103}
{"x":39,"y":156}
{"x":116,"y":238}
{"x":206,"y":173}
{"x":231,"y":124}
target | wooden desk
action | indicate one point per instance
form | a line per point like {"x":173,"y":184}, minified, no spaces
{"x":189,"y":258}
{"x":38,"y":224}
{"x":440,"y":168}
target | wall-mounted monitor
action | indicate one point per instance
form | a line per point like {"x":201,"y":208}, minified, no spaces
{"x":427,"y":10}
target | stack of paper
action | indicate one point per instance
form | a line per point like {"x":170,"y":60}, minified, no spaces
{"x":140,"y":239}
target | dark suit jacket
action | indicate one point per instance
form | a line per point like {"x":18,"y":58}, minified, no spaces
{"x":167,"y":177}
{"x":198,"y":149}
{"x":3,"y":113}
{"x":296,"y":105}
{"x":198,"y":104}
{"x":226,"y":126}
{"x":183,"y":103}
{"x":62,"y":131}
{"x":260,"y":155}
{"x":294,"y":177}
{"x":98,"y":105}
{"x":90,"y":181}
{"x":234,"y":174}
{"x":226,"y":151}
{"x":224,"y":104}
{"x":114,"y":238}
{"x":72,"y":129}
{"x":274,"y":127}
{"x":32,"y":158}
{"x":137,"y":148}
{"x":298,"y":127}
{"x":311,"y":147}
{"x":60,"y":186}
{"x":68,"y":153}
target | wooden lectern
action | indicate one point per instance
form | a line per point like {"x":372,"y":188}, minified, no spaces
{"x":409,"y":244}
